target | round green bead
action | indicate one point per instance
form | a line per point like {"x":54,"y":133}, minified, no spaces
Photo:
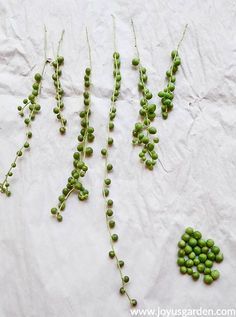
{"x":201,"y":243}
{"x":53,"y":211}
{"x":211,"y":256}
{"x":192,"y":256}
{"x":215,"y":274}
{"x":185,"y":237}
{"x":219,"y":258}
{"x":181,"y":244}
{"x":208,"y":279}
{"x":197,"y":250}
{"x":215,"y":250}
{"x":195,"y":276}
{"x":180,"y":261}
{"x":205,"y":250}
{"x":189,"y":271}
{"x":189,"y":263}
{"x":188,"y":249}
{"x":189,"y":231}
{"x":202,"y":258}
{"x":207,"y":271}
{"x":196,"y":261}
{"x":181,"y":253}
{"x":210,"y":243}
{"x":192,"y":242}
{"x":197,"y":235}
{"x":201,"y":268}
{"x":135,"y":61}
{"x":183,"y":269}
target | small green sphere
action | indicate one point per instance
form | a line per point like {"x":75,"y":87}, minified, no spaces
{"x":122,"y":291}
{"x":114,"y":237}
{"x":181,"y":244}
{"x":110,"y":203}
{"x":37,"y":77}
{"x":133,"y":302}
{"x":196,"y":261}
{"x":152,"y":130}
{"x":219,"y":258}
{"x":205,"y":250}
{"x":189,"y":231}
{"x":215,"y":250}
{"x":192,"y":242}
{"x":197,"y":250}
{"x":181,"y":253}
{"x":53,"y":211}
{"x":185,"y":237}
{"x":188,"y":249}
{"x":192,"y":256}
{"x":201,"y":268}
{"x":208,"y":279}
{"x":189,"y":263}
{"x":183,"y":269}
{"x":195,"y":276}
{"x":197,"y":235}
{"x":211,"y":256}
{"x":180,"y":261}
{"x":59,"y":218}
{"x":215,"y":274}
{"x":210,"y":243}
{"x":135,"y":61}
{"x":112,"y":224}
{"x":207,"y":271}
{"x":109,"y":167}
{"x":89,"y":151}
{"x":189,"y":271}
{"x":111,"y":254}
{"x":202,"y":258}
{"x":109,"y":212}
{"x":62,"y":130}
{"x":104,"y":152}
{"x":126,"y":279}
{"x":201,"y":243}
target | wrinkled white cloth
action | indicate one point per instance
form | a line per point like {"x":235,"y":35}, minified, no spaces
{"x":62,"y":270}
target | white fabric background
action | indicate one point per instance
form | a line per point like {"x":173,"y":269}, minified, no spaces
{"x":49,"y":269}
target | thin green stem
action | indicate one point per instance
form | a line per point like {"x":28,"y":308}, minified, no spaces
{"x":60,"y":42}
{"x":114,"y":31}
{"x":135,"y":38}
{"x":89,"y":48}
{"x":182,"y":37}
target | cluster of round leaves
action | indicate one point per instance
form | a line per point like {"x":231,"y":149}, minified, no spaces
{"x":167,"y":95}
{"x":33,"y":107}
{"x":80,"y":168}
{"x":196,"y":252}
{"x":143,"y":133}
{"x":57,"y":63}
{"x":107,"y":181}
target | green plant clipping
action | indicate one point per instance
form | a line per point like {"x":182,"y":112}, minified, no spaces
{"x":167,"y":95}
{"x":74,"y":183}
{"x":197,"y":256}
{"x":29,"y":110}
{"x":108,"y":169}
{"x":57,"y":65}
{"x":144,"y":134}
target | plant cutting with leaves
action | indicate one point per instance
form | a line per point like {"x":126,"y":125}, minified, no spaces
{"x":167,"y":95}
{"x":74,"y":183}
{"x":108,"y":168}
{"x":30,"y":109}
{"x":57,"y":65}
{"x":144,"y":134}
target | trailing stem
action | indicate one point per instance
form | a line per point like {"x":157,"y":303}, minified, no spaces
{"x":86,"y":135}
{"x":108,"y":168}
